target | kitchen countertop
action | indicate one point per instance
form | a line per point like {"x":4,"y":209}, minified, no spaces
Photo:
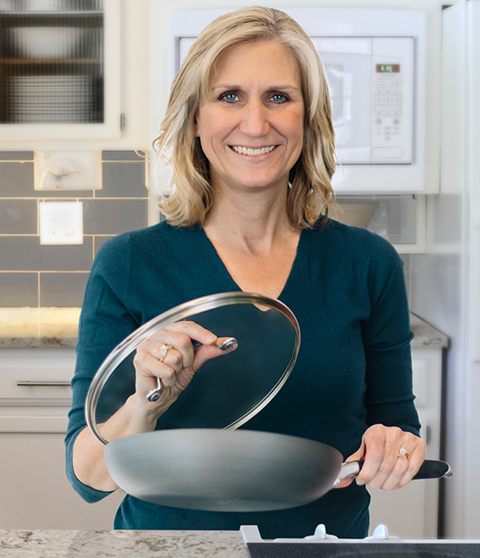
{"x":151,"y":544}
{"x":57,"y":327}
{"x":426,"y":336}
{"x":38,"y":327}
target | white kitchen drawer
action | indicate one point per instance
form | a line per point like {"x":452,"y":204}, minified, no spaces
{"x":39,"y":377}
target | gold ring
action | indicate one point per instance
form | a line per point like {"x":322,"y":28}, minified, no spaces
{"x":164,"y":350}
{"x":403,"y":453}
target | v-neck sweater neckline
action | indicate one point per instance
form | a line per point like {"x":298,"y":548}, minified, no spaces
{"x":222,"y":268}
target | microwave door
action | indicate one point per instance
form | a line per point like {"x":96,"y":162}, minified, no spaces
{"x":347,"y":64}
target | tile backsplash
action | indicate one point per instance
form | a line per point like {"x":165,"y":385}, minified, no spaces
{"x":37,"y":276}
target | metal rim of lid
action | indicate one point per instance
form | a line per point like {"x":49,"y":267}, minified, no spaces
{"x":180,"y":312}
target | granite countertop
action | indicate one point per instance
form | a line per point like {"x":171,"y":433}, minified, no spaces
{"x":38,"y":327}
{"x":93,"y":544}
{"x":426,"y":336}
{"x":57,"y":327}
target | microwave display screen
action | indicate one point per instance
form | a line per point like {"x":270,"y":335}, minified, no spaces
{"x":388,"y":68}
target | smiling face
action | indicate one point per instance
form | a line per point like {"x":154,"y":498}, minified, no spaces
{"x":251,"y":124}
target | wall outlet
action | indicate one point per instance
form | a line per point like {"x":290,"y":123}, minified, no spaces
{"x":67,"y":170}
{"x":61,"y":223}
{"x":379,"y":222}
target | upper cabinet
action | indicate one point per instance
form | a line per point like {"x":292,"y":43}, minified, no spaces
{"x":59,"y":69}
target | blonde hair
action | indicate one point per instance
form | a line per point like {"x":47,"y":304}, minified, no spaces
{"x":310,"y":191}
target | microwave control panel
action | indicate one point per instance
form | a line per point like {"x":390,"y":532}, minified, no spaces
{"x":392,"y":100}
{"x":370,"y":82}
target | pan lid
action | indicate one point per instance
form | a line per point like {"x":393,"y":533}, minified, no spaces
{"x":227,"y":391}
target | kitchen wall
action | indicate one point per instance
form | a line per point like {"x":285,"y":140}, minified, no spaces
{"x":35,"y":275}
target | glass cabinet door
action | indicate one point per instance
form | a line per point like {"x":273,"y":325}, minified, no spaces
{"x":59,"y":69}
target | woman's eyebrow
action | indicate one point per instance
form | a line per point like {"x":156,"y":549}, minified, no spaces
{"x":280,"y":87}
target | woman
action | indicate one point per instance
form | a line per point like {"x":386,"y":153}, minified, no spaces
{"x":249,"y":136}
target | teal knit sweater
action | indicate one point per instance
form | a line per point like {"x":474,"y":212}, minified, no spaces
{"x":346,"y":288}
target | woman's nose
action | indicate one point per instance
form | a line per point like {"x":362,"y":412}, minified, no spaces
{"x":255,"y":119}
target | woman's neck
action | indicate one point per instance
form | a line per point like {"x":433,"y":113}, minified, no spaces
{"x":255,"y":241}
{"x":251,"y":223}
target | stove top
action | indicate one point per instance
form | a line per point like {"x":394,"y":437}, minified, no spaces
{"x":379,"y":545}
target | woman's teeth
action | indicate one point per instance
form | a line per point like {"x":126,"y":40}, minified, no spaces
{"x":248,"y":151}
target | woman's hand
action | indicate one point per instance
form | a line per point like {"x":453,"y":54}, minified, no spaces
{"x":170,"y":356}
{"x":391,"y":457}
{"x":175,"y":367}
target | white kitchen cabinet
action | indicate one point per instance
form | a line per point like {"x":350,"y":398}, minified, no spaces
{"x":60,"y":71}
{"x":35,"y":493}
{"x":412,"y":512}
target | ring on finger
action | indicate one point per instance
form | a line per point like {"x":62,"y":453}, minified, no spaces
{"x":402,"y":452}
{"x":164,"y":350}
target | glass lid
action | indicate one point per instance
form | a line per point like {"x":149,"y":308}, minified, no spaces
{"x":227,"y":391}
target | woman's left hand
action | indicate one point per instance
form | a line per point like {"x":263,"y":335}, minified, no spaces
{"x":391,"y":457}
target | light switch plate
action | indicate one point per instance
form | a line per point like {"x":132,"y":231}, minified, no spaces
{"x":61,"y":223}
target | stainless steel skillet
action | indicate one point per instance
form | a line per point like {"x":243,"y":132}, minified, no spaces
{"x":225,"y":470}
{"x":194,"y":459}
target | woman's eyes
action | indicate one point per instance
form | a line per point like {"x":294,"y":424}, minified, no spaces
{"x":276,"y":98}
{"x":280,"y":98}
{"x":229,"y":96}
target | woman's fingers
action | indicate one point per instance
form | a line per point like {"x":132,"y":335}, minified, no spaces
{"x":221,"y":346}
{"x":391,"y":456}
{"x":385,"y":467}
{"x":171,"y":357}
{"x":180,"y":353}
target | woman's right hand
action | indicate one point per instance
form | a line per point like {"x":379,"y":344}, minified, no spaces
{"x":139,"y":415}
{"x":170,"y":355}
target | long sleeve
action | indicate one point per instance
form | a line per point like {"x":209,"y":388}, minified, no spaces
{"x":387,"y":337}
{"x":104,"y":322}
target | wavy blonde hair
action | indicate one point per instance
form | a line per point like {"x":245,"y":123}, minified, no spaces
{"x":310,"y":191}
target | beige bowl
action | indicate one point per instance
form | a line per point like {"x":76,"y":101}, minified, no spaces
{"x":356,"y":214}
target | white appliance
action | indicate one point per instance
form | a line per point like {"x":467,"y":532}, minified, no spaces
{"x":371,"y":84}
{"x":376,"y":67}
{"x":445,"y":282}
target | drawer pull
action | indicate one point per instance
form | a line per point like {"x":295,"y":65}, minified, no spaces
{"x":43,"y":383}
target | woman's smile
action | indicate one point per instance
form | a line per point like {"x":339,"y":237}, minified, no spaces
{"x":251,"y":125}
{"x":252,"y":151}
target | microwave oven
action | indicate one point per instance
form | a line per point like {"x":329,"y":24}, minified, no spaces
{"x":375,"y":64}
{"x":371,"y":87}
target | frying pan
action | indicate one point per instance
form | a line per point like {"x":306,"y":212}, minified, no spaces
{"x":195,"y":459}
{"x":232,"y":471}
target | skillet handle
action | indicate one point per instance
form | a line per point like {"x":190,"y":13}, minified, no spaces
{"x":430,"y":469}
